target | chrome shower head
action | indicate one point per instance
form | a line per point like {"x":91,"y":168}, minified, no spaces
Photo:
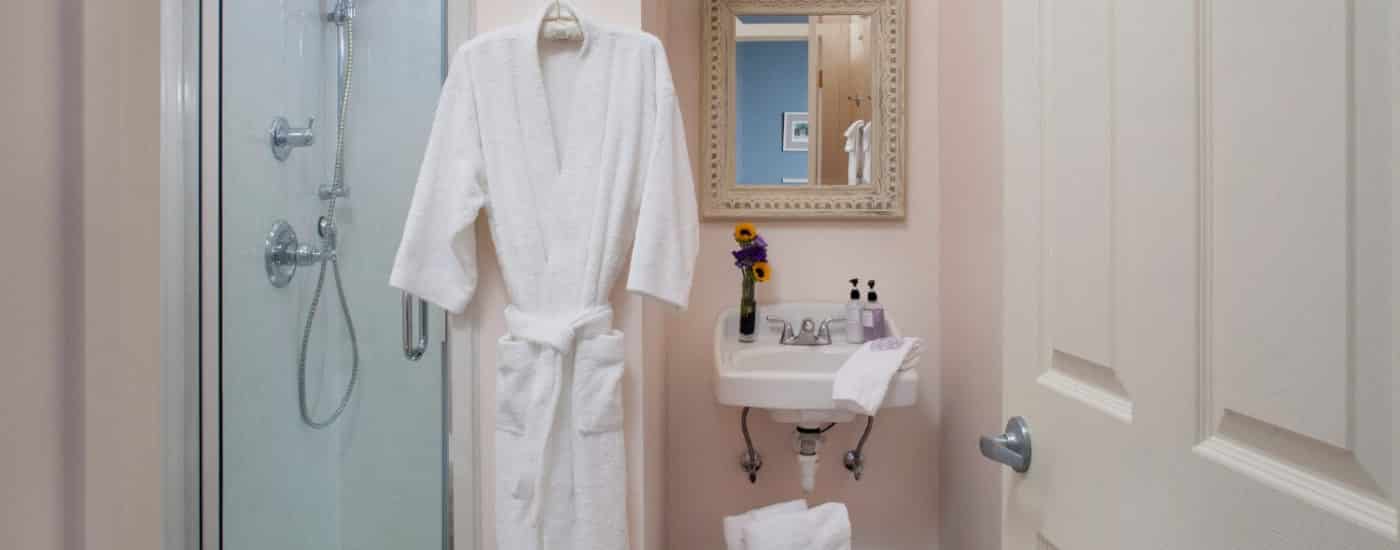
{"x":342,"y":13}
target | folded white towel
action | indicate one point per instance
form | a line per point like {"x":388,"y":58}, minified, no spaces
{"x":826,"y":527}
{"x":862,"y":382}
{"x":734,"y":525}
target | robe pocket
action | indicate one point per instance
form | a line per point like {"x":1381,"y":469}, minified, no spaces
{"x":515,"y":377}
{"x":598,"y":384}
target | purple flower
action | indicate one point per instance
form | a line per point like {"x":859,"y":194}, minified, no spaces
{"x":750,"y":254}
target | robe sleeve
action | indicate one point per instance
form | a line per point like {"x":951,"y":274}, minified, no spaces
{"x":437,"y":256}
{"x":667,"y":240}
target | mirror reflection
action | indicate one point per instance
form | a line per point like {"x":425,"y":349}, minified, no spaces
{"x":804,"y":100}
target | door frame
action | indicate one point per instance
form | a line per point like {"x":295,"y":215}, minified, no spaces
{"x":190,"y":294}
{"x":180,"y":276}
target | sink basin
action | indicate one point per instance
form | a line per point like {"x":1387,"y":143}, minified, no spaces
{"x":792,"y":382}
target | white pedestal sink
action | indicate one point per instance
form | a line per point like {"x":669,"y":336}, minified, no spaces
{"x":793,"y":383}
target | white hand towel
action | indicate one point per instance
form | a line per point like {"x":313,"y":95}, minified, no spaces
{"x":826,"y":527}
{"x":866,"y":165}
{"x":854,"y":152}
{"x":862,"y":382}
{"x":734,"y":525}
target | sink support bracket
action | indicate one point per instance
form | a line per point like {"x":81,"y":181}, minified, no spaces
{"x":750,"y":461}
{"x":855,"y":460}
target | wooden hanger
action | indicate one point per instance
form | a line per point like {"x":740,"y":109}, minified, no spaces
{"x":561,"y":23}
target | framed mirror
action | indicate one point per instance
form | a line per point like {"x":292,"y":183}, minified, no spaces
{"x":804,"y":109}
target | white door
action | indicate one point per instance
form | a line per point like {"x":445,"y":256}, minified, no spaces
{"x":1200,"y":323}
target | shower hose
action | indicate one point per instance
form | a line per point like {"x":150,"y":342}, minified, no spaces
{"x":329,"y":237}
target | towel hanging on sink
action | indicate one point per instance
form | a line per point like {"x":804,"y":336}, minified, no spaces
{"x":861,"y":384}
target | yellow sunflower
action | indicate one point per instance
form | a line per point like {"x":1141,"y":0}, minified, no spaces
{"x":745,"y":232}
{"x":762,"y":272}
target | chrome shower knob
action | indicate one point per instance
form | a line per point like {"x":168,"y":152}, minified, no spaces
{"x":279,"y":254}
{"x":283,"y":253}
{"x":284,"y":137}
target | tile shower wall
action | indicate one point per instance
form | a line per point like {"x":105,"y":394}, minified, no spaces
{"x":374,"y":479}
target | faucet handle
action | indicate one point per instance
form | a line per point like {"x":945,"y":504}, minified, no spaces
{"x":824,"y":331}
{"x":788,"y":334}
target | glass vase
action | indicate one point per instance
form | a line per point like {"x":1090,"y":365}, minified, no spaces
{"x":748,"y":310}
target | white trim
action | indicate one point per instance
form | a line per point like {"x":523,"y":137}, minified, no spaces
{"x":460,"y":357}
{"x":179,"y":270}
{"x":464,"y":450}
{"x":460,"y":20}
{"x":771,"y":32}
{"x":210,"y":276}
{"x":1370,"y":511}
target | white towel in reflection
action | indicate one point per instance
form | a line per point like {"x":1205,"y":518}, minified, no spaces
{"x":854,"y":151}
{"x":826,"y":527}
{"x":734,"y":525}
{"x":866,"y":129}
{"x":862,"y":382}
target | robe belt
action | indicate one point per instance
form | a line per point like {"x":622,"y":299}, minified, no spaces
{"x":560,"y":332}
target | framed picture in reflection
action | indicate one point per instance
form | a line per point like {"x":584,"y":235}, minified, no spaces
{"x":797,"y":131}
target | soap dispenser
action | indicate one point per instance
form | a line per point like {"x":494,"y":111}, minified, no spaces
{"x":855,"y":334}
{"x":872,"y":316}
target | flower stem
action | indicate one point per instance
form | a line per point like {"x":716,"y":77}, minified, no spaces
{"x":748,"y":308}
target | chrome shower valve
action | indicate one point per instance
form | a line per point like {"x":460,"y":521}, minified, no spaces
{"x":283,"y":253}
{"x":284,"y":137}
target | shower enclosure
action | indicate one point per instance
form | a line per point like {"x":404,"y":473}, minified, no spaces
{"x":331,"y":436}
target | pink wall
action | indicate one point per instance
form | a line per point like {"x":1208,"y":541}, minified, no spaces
{"x":896,"y":504}
{"x":40,"y":296}
{"x":970,"y":102}
{"x":80,"y":425}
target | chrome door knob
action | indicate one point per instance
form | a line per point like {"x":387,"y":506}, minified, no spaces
{"x":1012,"y":448}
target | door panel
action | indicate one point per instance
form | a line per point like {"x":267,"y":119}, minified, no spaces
{"x":1200,"y":297}
{"x":1276,"y":167}
{"x":1078,"y":182}
{"x":1068,"y":382}
{"x":1282,"y":390}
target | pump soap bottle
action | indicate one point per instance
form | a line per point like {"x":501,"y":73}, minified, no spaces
{"x":855,"y":333}
{"x":872,"y":317}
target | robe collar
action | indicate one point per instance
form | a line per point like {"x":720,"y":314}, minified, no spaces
{"x":554,"y":155}
{"x":550,"y":130}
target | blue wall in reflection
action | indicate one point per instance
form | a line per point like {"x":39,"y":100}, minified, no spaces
{"x":772,"y":79}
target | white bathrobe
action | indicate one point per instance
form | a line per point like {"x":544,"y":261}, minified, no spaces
{"x":576,"y":154}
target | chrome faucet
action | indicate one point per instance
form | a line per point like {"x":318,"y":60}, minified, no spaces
{"x":810,"y":334}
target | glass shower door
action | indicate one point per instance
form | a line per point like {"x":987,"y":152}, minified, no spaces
{"x":298,"y":472}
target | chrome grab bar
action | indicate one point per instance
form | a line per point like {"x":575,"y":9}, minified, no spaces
{"x":411,"y":349}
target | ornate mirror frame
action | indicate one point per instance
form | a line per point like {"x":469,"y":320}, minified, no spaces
{"x":884,"y":198}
